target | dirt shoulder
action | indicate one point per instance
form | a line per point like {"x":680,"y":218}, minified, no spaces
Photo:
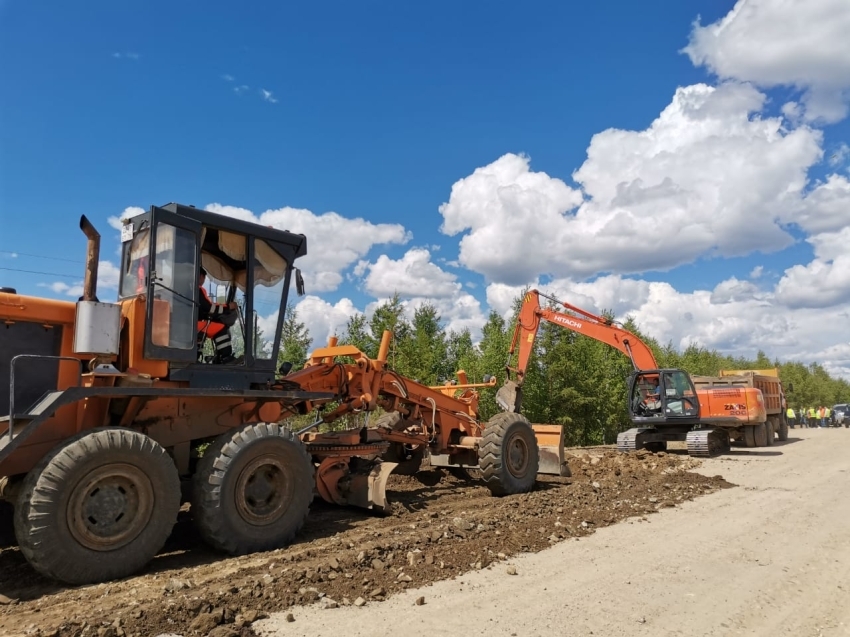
{"x":442,"y":526}
{"x":771,"y":557}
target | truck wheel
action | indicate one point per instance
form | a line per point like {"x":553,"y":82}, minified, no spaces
{"x":98,"y":507}
{"x":783,"y":430}
{"x":760,"y":434}
{"x":749,"y":435}
{"x":508,"y":455}
{"x":770,"y":432}
{"x":408,"y":457}
{"x":252,"y":489}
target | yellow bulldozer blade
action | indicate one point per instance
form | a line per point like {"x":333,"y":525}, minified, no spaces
{"x":550,"y":441}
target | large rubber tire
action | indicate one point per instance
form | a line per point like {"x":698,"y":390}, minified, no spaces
{"x":782,"y":434}
{"x":769,"y":432}
{"x":98,"y":507}
{"x":749,"y":435}
{"x":508,"y":455}
{"x":760,"y":434}
{"x":409,"y":458}
{"x":252,"y":489}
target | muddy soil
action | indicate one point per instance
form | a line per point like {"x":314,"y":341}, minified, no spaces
{"x":442,"y":525}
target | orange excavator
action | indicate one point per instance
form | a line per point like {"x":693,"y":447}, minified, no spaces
{"x":664,"y":404}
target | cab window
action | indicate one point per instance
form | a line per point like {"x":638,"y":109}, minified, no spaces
{"x":173,"y":288}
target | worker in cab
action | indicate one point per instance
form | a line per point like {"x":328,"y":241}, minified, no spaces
{"x":214,"y":321}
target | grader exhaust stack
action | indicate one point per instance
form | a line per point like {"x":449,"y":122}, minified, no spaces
{"x":98,"y":325}
{"x":92,"y":258}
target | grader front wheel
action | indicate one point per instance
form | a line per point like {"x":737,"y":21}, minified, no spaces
{"x":253,"y":488}
{"x":98,"y":507}
{"x":508,"y":455}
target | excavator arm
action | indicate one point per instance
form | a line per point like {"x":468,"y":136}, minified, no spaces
{"x":580,"y":321}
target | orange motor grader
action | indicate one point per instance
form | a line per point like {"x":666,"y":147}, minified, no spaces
{"x":116,"y":410}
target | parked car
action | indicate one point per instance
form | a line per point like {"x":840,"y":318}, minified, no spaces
{"x":841,"y":415}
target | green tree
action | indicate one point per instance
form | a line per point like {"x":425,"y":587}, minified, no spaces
{"x":390,"y":316}
{"x":357,"y":334}
{"x":295,"y":340}
{"x":426,"y":349}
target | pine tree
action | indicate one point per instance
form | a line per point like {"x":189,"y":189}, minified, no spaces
{"x":295,"y":340}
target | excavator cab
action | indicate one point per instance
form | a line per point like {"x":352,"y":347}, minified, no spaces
{"x":247,"y":269}
{"x":662,"y":396}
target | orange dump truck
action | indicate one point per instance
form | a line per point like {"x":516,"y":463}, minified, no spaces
{"x":767,"y":380}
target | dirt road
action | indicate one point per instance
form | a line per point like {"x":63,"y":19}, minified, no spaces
{"x":771,"y":557}
{"x":631,"y":544}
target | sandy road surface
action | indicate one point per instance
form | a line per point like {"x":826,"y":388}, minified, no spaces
{"x":771,"y":557}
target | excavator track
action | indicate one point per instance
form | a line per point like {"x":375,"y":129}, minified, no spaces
{"x":629,"y":440}
{"x":706,"y":443}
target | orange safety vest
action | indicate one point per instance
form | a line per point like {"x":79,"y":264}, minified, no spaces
{"x":214,"y":327}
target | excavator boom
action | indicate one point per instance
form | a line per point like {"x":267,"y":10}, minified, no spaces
{"x":578,"y":320}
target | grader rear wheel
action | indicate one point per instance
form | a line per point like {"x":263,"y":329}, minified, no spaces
{"x":408,"y":457}
{"x":253,"y":488}
{"x":508,"y":455}
{"x":98,"y":507}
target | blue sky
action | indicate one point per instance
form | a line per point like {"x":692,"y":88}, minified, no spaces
{"x":375,"y":110}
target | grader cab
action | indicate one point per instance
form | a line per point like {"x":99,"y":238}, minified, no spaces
{"x":118,"y":412}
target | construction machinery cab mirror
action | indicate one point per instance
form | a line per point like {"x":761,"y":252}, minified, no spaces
{"x":667,"y":394}
{"x":299,"y":282}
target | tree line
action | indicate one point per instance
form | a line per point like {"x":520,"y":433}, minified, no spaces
{"x":571,"y":379}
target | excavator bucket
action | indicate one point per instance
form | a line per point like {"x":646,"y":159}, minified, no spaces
{"x":509,"y":396}
{"x":550,"y":442}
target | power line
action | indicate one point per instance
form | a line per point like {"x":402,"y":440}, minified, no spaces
{"x":67,"y":276}
{"x":38,"y":256}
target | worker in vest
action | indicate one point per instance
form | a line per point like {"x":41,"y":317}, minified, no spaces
{"x":790,"y":417}
{"x":214,"y":319}
{"x":812,"y":417}
{"x":827,"y":416}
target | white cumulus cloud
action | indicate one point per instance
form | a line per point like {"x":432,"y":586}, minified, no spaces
{"x":710,"y":176}
{"x":412,"y":275}
{"x":129,"y":212}
{"x":334,"y":242}
{"x":801,"y":43}
{"x":108,"y":276}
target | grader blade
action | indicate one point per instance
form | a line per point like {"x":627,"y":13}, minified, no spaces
{"x":369,"y":490}
{"x":550,"y":442}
